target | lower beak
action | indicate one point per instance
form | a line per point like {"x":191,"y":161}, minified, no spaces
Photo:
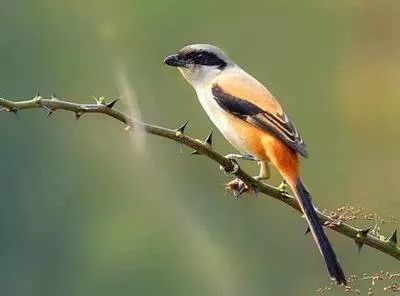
{"x":174,"y":61}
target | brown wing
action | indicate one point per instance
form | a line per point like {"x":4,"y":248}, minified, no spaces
{"x":276,"y":123}
{"x":242,"y":85}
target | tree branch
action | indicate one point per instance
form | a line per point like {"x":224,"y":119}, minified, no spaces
{"x":360,"y":236}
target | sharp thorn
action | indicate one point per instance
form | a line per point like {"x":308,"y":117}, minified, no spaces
{"x":393,"y":238}
{"x":208,"y":140}
{"x":53,"y":95}
{"x":308,"y":230}
{"x":37,"y":95}
{"x":361,"y":236}
{"x":78,"y":115}
{"x":112,"y":103}
{"x":195,"y":152}
{"x":363,"y":233}
{"x":359,"y":245}
{"x":182,"y":127}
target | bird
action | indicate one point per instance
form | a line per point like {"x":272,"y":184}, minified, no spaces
{"x":254,"y":122}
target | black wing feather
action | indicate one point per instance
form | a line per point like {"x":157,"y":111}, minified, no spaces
{"x":279,"y":126}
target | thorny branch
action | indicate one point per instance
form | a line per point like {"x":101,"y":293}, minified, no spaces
{"x":387,"y":245}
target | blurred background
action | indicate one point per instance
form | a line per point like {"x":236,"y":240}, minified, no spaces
{"x":88,"y":209}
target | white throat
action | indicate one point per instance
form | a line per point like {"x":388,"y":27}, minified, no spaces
{"x":200,"y":76}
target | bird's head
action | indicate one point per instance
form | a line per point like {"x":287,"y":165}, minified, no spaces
{"x":199,"y":63}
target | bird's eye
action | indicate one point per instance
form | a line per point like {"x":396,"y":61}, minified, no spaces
{"x":198,"y":57}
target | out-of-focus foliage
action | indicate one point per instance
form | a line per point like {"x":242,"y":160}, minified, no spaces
{"x":89,"y":210}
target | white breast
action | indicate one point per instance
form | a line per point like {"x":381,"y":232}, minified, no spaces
{"x":220,"y":118}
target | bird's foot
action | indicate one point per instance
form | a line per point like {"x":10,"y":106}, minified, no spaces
{"x":234,"y":158}
{"x":232,"y":171}
{"x":282,"y":187}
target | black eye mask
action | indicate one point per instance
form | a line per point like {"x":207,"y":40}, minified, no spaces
{"x":203,"y":58}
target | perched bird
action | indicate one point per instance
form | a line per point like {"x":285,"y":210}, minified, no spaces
{"x":254,"y":122}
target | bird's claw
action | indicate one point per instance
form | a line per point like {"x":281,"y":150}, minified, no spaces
{"x":234,"y":169}
{"x":282,"y":187}
{"x":234,"y":158}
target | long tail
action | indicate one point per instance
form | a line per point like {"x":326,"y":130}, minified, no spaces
{"x":322,"y":241}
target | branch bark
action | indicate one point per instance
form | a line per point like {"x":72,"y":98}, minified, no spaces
{"x":360,"y":236}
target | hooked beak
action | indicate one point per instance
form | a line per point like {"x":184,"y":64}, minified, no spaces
{"x":174,"y":61}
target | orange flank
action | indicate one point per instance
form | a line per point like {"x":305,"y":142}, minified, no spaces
{"x":285,"y":160}
{"x":249,"y":138}
{"x":267,"y":148}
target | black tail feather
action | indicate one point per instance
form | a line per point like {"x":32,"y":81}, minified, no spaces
{"x":332,"y":264}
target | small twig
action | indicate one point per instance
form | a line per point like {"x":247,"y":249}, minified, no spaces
{"x":101,"y":107}
{"x":349,"y":213}
{"x":378,"y":277}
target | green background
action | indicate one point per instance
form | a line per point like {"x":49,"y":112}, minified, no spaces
{"x":88,"y":209}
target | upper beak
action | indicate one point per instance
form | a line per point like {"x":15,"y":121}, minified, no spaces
{"x":174,"y":61}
